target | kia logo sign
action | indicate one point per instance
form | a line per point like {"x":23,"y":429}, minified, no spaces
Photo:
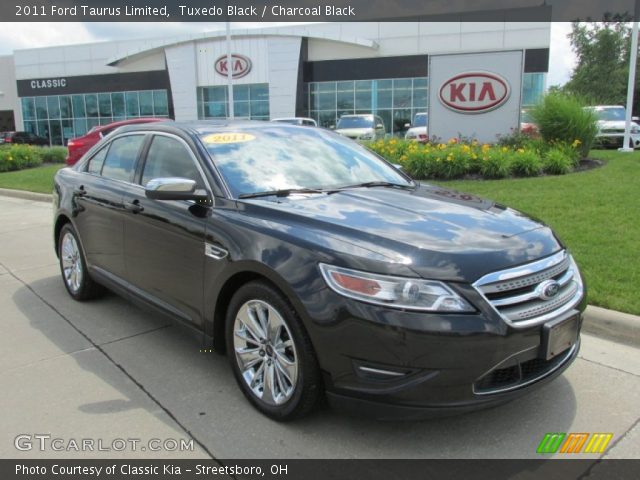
{"x":474,"y":92}
{"x":241,"y":65}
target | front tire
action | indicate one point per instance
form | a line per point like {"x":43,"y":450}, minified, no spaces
{"x":270,"y":353}
{"x":73,"y":266}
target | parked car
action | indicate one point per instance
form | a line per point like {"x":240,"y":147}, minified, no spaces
{"x":26,"y":138}
{"x":319,"y":267}
{"x":418,"y":129}
{"x":4,"y":136}
{"x":361,"y":127}
{"x":611,"y":125}
{"x":303,"y":121}
{"x":80,"y":145}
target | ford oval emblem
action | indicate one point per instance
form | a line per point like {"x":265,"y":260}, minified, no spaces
{"x":240,"y":65}
{"x":474,"y":92}
{"x":548,"y":289}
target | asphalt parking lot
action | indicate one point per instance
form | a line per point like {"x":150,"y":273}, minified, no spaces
{"x":105,"y":369}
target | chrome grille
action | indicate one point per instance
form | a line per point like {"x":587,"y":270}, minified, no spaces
{"x":517,"y":293}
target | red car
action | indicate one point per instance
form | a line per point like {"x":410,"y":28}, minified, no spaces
{"x":79,"y":146}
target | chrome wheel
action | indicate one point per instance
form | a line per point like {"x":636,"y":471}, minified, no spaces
{"x":71,"y":262}
{"x":265,"y":352}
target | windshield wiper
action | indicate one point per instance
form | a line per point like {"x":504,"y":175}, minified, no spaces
{"x":285,"y":192}
{"x":375,"y":183}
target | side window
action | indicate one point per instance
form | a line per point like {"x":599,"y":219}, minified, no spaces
{"x":95,"y":163}
{"x":168,"y":157}
{"x":121,"y":158}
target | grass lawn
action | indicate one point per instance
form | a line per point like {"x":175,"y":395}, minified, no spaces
{"x":597,"y":215}
{"x":38,"y":179}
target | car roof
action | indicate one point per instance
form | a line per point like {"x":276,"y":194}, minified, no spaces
{"x":203,"y":127}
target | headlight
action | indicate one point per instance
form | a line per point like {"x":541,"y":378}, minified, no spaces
{"x":635,"y":129}
{"x":395,"y":292}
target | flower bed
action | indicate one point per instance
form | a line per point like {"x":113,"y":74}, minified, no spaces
{"x":18,"y":157}
{"x":461,"y":159}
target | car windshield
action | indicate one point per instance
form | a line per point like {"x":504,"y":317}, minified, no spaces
{"x":355,"y":122}
{"x":420,"y":120}
{"x":277,"y":157}
{"x":611,"y":114}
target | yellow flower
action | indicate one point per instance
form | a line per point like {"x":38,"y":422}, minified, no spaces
{"x":521,"y":150}
{"x":576,"y":143}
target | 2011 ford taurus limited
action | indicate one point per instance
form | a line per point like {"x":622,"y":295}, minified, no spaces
{"x":320,"y":268}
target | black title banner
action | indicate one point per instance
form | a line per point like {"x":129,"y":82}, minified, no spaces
{"x":283,"y":469}
{"x":312,"y":10}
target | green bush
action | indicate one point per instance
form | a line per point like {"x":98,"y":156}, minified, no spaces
{"x":18,"y":157}
{"x":53,"y":154}
{"x":563,"y":118}
{"x":557,"y":162}
{"x":496,"y":163}
{"x":526,"y":163}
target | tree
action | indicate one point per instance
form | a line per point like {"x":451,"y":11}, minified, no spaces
{"x":601,"y":73}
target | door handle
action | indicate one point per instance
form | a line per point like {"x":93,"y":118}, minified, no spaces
{"x":80,"y":191}
{"x":133,"y":206}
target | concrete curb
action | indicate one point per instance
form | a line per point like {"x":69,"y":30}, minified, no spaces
{"x":609,"y":324}
{"x":37,"y":197}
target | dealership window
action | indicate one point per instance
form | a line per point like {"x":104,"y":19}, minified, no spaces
{"x":532,"y":88}
{"x":396,"y":101}
{"x":62,"y":117}
{"x":249,"y":101}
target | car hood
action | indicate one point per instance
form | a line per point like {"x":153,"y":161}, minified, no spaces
{"x":437,"y":233}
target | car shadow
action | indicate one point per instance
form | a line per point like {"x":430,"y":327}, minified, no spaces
{"x":197,"y":387}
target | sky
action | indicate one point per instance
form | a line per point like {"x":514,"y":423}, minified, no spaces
{"x":15,"y":36}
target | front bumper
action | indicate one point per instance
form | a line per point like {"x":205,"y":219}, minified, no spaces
{"x":616,"y":140}
{"x":420,"y":365}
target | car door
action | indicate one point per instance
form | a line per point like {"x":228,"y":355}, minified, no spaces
{"x":99,"y":209}
{"x":164,"y":239}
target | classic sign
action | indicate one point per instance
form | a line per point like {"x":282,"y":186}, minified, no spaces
{"x":474,"y":92}
{"x":240,"y":65}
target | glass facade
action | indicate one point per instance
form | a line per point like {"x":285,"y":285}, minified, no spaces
{"x":62,"y":117}
{"x":532,"y":88}
{"x":249,"y":101}
{"x":396,"y":101}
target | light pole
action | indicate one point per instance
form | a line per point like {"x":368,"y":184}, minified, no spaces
{"x":230,"y":113}
{"x":626,"y":146}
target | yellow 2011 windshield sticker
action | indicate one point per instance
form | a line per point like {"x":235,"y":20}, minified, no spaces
{"x":228,"y":137}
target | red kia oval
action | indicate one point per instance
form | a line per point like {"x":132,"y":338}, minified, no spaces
{"x":474,"y":92}
{"x":241,"y":65}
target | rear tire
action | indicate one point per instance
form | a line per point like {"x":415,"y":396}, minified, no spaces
{"x":73,"y":266}
{"x":270,"y":353}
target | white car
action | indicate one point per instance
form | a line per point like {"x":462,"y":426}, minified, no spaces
{"x":611,"y":122}
{"x":418,"y":129}
{"x":361,"y":127}
{"x":303,"y":121}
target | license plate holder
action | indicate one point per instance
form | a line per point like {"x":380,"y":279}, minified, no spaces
{"x":559,"y":335}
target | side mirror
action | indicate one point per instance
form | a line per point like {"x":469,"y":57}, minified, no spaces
{"x":332,"y":127}
{"x":635,"y":119}
{"x":174,"y":188}
{"x":407,"y":125}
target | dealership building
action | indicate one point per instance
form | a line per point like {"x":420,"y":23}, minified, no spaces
{"x":323,"y":71}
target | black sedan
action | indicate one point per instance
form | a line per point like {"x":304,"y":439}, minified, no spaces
{"x":320,"y":268}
